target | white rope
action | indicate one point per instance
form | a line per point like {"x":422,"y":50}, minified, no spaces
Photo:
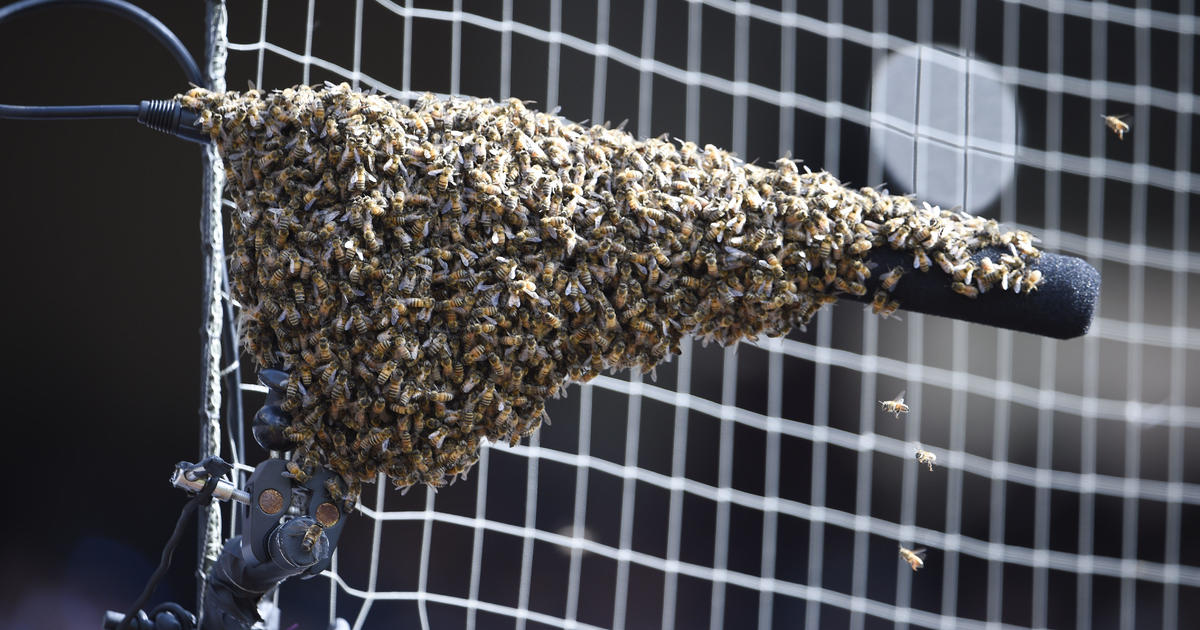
{"x":214,"y":259}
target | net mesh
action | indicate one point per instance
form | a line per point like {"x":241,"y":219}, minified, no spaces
{"x":758,"y":485}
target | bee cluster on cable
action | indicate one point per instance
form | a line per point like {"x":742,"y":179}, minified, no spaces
{"x":431,"y":274}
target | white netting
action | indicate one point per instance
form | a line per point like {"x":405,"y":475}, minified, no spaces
{"x":760,"y":485}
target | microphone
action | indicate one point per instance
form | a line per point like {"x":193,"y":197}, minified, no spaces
{"x":1061,"y":307}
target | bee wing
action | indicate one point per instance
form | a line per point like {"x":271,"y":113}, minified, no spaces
{"x":900,"y":397}
{"x":920,"y":553}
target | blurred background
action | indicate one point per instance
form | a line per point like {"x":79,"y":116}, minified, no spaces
{"x":1066,"y":498}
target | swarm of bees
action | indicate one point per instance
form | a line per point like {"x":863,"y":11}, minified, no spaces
{"x":431,"y":274}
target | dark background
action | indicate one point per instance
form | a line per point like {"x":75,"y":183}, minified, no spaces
{"x":102,"y":319}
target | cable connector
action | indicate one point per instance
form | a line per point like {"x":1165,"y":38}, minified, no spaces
{"x":168,"y":116}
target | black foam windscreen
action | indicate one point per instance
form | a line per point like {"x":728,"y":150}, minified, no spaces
{"x":1062,"y":306}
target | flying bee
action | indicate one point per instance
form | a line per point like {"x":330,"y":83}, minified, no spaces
{"x":914,"y":557}
{"x":311,"y":536}
{"x":1117,"y":124}
{"x":895,"y":406}
{"x":926,"y":457}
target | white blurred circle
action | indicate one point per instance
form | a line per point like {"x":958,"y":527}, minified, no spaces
{"x":945,"y":126}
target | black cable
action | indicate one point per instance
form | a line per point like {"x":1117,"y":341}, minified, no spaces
{"x":215,"y":467}
{"x":162,"y":115}
{"x":52,"y":112}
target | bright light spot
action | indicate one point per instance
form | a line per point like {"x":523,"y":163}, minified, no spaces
{"x":945,"y":125}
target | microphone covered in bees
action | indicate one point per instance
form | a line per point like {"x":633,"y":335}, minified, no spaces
{"x":431,"y":274}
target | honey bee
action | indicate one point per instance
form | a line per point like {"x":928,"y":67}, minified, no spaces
{"x":437,"y":437}
{"x":859,"y":247}
{"x":298,"y":435}
{"x":393,"y":389}
{"x":1031,"y":280}
{"x":879,"y":301}
{"x":477,"y":353}
{"x":324,"y":351}
{"x":965,"y":289}
{"x":914,"y":557}
{"x":405,"y":442}
{"x":1117,"y":124}
{"x":443,"y":179}
{"x":921,"y":259}
{"x":895,"y":406}
{"x":610,"y":317}
{"x":292,"y":315}
{"x":375,"y":437}
{"x":440,"y":396}
{"x":358,"y":180}
{"x":642,"y":325}
{"x":888,"y":280}
{"x":311,"y":536}
{"x":297,"y":472}
{"x":926,"y":457}
{"x":1012,"y":280}
{"x":385,"y":374}
{"x":989,"y":272}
